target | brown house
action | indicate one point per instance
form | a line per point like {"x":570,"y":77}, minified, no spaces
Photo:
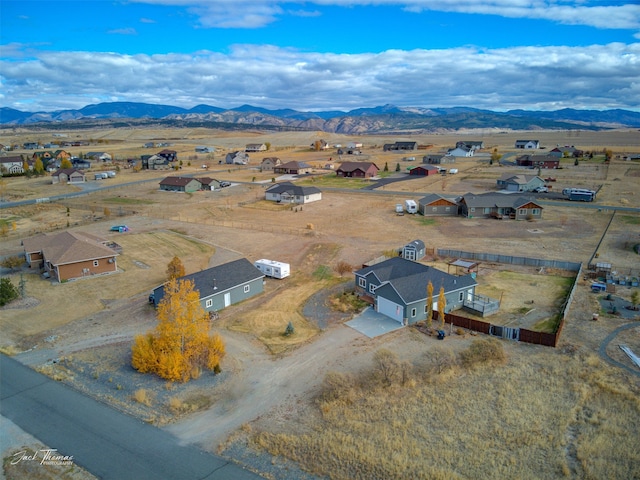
{"x":293,"y":168}
{"x":68,"y":255}
{"x":424,"y":170}
{"x":538,"y":161}
{"x":435,"y":204}
{"x":68,"y":175}
{"x":357,"y":169}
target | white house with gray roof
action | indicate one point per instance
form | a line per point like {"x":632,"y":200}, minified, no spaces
{"x":288,"y":192}
{"x":398,"y":289}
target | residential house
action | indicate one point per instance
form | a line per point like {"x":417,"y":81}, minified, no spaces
{"x":98,"y":156}
{"x":397,"y":288}
{"x":149,"y":145}
{"x":437,"y":205}
{"x":499,"y":205}
{"x":180,"y":184}
{"x":538,"y":161}
{"x":528,"y":144}
{"x":293,"y":168}
{"x":357,"y":169}
{"x":354,"y":145}
{"x":424,"y":170}
{"x":255,"y":147}
{"x":400,"y":146}
{"x":222,"y":286}
{"x":471,"y":144}
{"x":203,"y":149}
{"x":566,"y":151}
{"x":438,"y":159}
{"x":68,"y":175}
{"x":461,"y":151}
{"x":12,"y":164}
{"x":519,"y":183}
{"x":287,"y":192}
{"x":320,"y":145}
{"x":237,"y":158}
{"x":209,"y":184}
{"x":169,"y":155}
{"x":70,"y":255}
{"x":414,"y":250}
{"x":155,"y":162}
{"x":31,"y":146}
{"x":268,"y":164}
{"x":80,"y":163}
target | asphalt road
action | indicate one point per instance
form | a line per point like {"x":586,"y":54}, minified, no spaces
{"x":107,"y":443}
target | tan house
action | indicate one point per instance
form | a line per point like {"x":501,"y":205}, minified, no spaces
{"x":68,"y":175}
{"x":269,"y":163}
{"x":68,"y":255}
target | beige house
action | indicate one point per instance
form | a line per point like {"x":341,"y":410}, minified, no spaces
{"x":69,"y":255}
{"x":269,"y":163}
{"x":68,"y":175}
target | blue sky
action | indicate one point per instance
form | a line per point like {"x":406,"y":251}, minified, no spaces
{"x":321,"y":55}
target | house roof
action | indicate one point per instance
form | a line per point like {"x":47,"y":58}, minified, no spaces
{"x":67,"y":171}
{"x":292,"y":189}
{"x":206,"y":180}
{"x":295,"y":165}
{"x":353,"y":166}
{"x":498,"y":200}
{"x":410,"y":279}
{"x":520,"y":179}
{"x":216,"y":280}
{"x":12,"y":159}
{"x":96,"y":154}
{"x":177,"y":181}
{"x":270,"y":159}
{"x":431,"y":198}
{"x":68,"y":247}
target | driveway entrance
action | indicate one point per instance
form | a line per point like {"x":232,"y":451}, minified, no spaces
{"x":373,"y":324}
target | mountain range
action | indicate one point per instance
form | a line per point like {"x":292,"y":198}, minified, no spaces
{"x":378,"y":120}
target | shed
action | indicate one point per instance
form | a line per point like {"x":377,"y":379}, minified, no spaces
{"x":466,"y":266}
{"x":273,"y":268}
{"x":413,"y":251}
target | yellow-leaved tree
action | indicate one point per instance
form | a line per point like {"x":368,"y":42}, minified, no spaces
{"x":442,"y":305}
{"x":181,"y":344}
{"x":66,"y":163}
{"x":175,"y":269}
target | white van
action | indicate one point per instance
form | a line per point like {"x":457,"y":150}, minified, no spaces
{"x":411,"y":206}
{"x":453,"y":171}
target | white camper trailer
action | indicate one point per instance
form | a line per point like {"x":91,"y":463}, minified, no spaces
{"x":271,"y":268}
{"x":411,"y":206}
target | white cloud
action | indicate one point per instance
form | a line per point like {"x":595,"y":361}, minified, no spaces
{"x":598,"y":76}
{"x":258,"y":13}
{"x":123,"y":31}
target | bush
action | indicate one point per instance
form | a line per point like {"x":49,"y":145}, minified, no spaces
{"x":337,"y":386}
{"x":483,"y":351}
{"x":142,"y":396}
{"x":8,"y":292}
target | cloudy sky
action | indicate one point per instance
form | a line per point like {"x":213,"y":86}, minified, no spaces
{"x":321,"y":54}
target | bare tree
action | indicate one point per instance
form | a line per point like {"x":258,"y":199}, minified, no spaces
{"x":387,"y":363}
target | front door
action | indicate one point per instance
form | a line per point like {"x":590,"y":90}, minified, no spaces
{"x":227,"y":299}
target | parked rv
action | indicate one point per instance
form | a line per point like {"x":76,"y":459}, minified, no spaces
{"x":101,"y":176}
{"x":399,"y":209}
{"x":579,"y":194}
{"x":271,"y":268}
{"x":411,"y":206}
{"x":453,"y":171}
{"x":111,"y":174}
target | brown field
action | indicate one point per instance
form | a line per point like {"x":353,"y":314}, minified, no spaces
{"x":543,"y":413}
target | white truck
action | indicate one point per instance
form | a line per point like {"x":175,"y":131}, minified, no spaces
{"x":411,"y":206}
{"x":399,"y":209}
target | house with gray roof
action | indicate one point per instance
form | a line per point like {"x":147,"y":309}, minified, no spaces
{"x":287,"y":192}
{"x":499,"y":205}
{"x":293,"y":168}
{"x":236,"y":158}
{"x":222,"y":286}
{"x":397,"y":288}
{"x":528,"y":144}
{"x":400,"y":146}
{"x":519,"y":182}
{"x":438,"y":158}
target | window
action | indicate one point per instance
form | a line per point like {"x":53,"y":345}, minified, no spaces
{"x":434,"y":209}
{"x":447,"y":209}
{"x":362,"y":282}
{"x":426,"y":309}
{"x":413,"y":312}
{"x":535,"y":211}
{"x":472,"y":209}
{"x":247,"y":288}
{"x":522,"y":211}
{"x":209,"y":303}
{"x":372,"y":288}
{"x":487,"y":210}
{"x":96,"y":263}
{"x":461,"y":296}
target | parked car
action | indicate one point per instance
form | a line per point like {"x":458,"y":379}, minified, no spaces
{"x":120,"y":228}
{"x":541,"y":190}
{"x":225,"y":184}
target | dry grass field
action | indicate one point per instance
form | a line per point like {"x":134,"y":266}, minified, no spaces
{"x":540,"y":413}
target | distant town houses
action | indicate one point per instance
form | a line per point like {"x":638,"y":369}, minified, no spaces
{"x":566,"y":151}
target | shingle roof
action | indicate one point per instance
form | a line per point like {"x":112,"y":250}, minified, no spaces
{"x":291,"y":189}
{"x":410,"y":279}
{"x":352,"y":166}
{"x":433,"y":197}
{"x":499,"y":200}
{"x":216,"y":280}
{"x":68,"y":247}
{"x":177,"y":181}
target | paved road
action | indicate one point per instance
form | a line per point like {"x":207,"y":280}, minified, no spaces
{"x":107,"y":443}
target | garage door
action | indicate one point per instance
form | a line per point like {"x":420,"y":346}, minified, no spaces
{"x":390,"y":309}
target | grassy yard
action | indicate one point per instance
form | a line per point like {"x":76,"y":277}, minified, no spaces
{"x":543,"y":415}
